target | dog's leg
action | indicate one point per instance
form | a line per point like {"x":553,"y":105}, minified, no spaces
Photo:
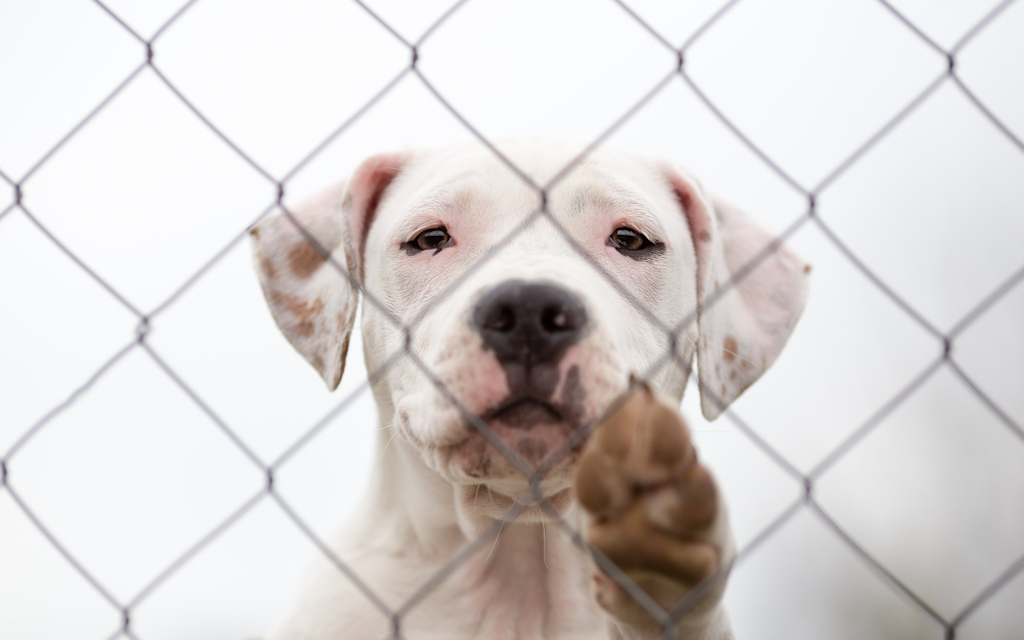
{"x":656,"y":513}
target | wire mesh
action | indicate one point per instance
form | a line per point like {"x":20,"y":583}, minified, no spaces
{"x":412,"y":73}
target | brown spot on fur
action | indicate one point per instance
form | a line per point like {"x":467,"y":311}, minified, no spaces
{"x":807,"y":268}
{"x":729,"y":349}
{"x":267,"y":266}
{"x":304,"y":313}
{"x":308,"y":311}
{"x":704,"y":236}
{"x":304,"y":259}
{"x":305,"y":328}
{"x":733,"y":375}
{"x":723,"y":391}
{"x":255,"y":232}
{"x":281,"y":299}
{"x":318,"y":362}
{"x":342,"y":321}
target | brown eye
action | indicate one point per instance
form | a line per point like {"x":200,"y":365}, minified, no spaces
{"x":626,"y":239}
{"x":435,"y":239}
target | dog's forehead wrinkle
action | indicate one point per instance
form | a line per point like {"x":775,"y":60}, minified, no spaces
{"x":439,"y":203}
{"x":604,"y":189}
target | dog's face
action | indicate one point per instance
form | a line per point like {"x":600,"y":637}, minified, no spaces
{"x":487,"y":305}
{"x":546,"y":323}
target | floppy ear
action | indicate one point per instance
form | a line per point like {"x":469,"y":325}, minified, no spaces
{"x":309,"y":275}
{"x":744,"y":326}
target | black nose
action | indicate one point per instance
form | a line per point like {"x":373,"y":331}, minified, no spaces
{"x":529,"y":323}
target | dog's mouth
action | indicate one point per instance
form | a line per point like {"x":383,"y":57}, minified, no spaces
{"x":532,"y":423}
{"x":524,"y":413}
{"x":531,"y":427}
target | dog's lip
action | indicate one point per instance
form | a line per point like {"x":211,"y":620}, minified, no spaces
{"x":521,"y":402}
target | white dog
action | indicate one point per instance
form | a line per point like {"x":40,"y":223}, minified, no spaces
{"x":526,"y":329}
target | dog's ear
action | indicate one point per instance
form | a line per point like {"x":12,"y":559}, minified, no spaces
{"x":744,"y":325}
{"x":309,"y":275}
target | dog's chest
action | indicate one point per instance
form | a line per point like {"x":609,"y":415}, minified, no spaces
{"x":513,"y":608}
{"x":524,"y":587}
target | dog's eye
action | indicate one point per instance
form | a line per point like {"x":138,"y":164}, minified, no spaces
{"x":436,"y":239}
{"x":626,"y":239}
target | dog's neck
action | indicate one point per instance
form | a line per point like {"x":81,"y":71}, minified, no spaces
{"x":530,"y":577}
{"x":411,"y":497}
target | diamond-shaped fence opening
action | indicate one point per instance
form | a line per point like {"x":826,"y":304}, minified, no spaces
{"x":138,"y":147}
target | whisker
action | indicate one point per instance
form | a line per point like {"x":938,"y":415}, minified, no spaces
{"x":499,"y":532}
{"x":386,"y":446}
{"x":366,"y":433}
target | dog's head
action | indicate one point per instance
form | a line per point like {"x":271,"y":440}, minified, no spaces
{"x":488,"y":304}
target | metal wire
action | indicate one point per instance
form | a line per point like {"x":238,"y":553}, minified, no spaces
{"x":138,"y":342}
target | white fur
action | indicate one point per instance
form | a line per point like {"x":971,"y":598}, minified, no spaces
{"x":438,"y":486}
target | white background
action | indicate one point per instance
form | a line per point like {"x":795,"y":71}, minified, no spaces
{"x":133,"y":474}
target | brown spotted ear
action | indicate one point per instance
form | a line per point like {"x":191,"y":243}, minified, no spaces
{"x":313,"y":299}
{"x":744,"y":326}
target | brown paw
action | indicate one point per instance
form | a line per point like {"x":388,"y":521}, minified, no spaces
{"x":654,"y":506}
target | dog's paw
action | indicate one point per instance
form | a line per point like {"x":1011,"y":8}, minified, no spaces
{"x":654,"y":507}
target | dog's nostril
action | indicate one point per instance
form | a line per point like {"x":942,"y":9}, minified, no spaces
{"x":502,"y":318}
{"x":555,"y":319}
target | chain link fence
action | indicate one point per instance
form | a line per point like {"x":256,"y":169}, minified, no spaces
{"x":265,"y":491}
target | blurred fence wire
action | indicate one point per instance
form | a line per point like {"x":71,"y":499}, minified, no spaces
{"x":946,"y":340}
